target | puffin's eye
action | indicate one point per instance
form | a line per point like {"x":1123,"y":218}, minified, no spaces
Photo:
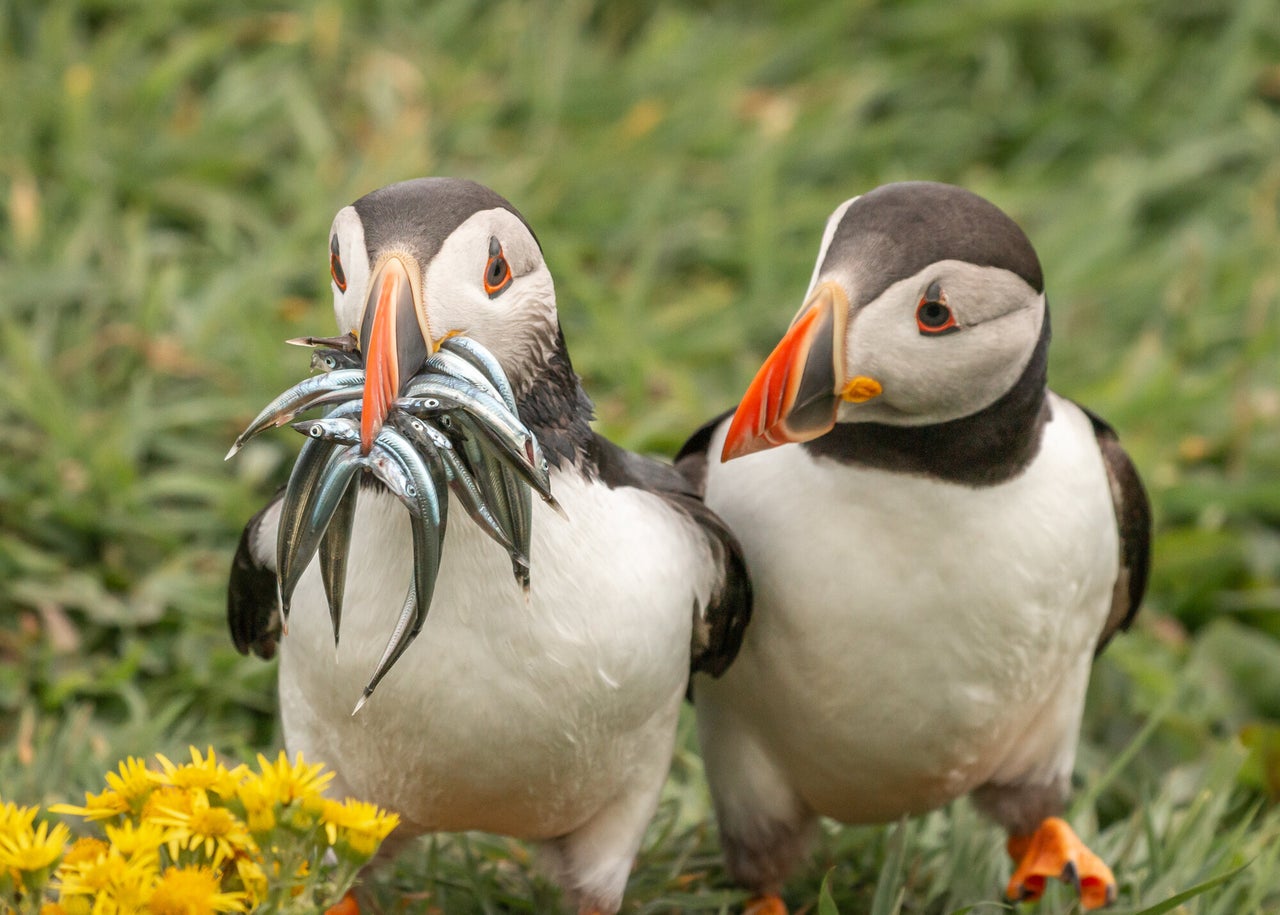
{"x":335,"y":266}
{"x":933,"y":315}
{"x":497,"y":274}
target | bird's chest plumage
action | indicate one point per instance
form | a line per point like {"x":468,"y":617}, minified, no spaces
{"x":506,"y":715}
{"x":911,"y":638}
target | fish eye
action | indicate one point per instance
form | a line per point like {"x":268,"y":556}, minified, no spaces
{"x":432,"y":403}
{"x":411,"y":491}
{"x":316,"y":430}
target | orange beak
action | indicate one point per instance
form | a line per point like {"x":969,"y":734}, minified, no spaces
{"x":393,"y":341}
{"x":795,"y":395}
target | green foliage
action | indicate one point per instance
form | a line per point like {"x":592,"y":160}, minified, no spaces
{"x":169,"y":170}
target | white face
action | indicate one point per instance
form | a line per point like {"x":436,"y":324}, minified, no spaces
{"x":989,"y":324}
{"x":512,"y":319}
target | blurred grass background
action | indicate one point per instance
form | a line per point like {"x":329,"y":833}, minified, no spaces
{"x":169,"y":170}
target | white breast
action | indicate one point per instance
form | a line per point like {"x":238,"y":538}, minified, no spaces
{"x":911,"y":639}
{"x":506,"y":716}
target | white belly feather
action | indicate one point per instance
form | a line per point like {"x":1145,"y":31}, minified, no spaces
{"x":506,"y":716}
{"x":911,"y":639}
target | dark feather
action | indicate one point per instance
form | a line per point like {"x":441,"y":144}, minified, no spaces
{"x":1133,"y":518}
{"x":253,"y":608}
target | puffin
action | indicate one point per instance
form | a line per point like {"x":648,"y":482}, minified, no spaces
{"x":939,"y":546}
{"x":549,"y":717}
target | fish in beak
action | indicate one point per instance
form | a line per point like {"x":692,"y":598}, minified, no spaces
{"x":394,"y":336}
{"x":795,"y":395}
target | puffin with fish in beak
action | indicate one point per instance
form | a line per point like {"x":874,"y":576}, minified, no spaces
{"x":548,"y":714}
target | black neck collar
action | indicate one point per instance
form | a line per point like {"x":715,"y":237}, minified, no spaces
{"x":983,"y":449}
{"x":556,"y":409}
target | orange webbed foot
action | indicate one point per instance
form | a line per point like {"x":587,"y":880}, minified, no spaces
{"x":347,"y":905}
{"x":1054,"y":850}
{"x":766,"y":905}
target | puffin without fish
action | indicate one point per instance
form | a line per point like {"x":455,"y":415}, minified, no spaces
{"x":939,"y":546}
{"x":550,"y":718}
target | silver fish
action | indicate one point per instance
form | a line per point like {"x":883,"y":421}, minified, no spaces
{"x":317,"y":508}
{"x":451,"y":365}
{"x":482,"y":359}
{"x":431,"y":395}
{"x":511,"y":502}
{"x":325,"y":359}
{"x":308,"y":472}
{"x":334,"y":547}
{"x":428,"y":513}
{"x":342,"y":385}
{"x":428,"y":517}
{"x":347,"y":343}
{"x":396,"y":645}
{"x":436,"y":446}
{"x":333,"y":428}
{"x":304,"y":481}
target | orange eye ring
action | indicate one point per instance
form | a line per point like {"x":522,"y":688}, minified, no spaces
{"x":933,"y":315}
{"x":335,"y":266}
{"x":497,"y":272}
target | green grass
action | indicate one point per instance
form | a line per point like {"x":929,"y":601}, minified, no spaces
{"x":169,"y":171}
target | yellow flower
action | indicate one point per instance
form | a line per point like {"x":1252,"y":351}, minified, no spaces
{"x":166,"y":798}
{"x":259,"y":806}
{"x":202,"y":772}
{"x":134,"y":782}
{"x":287,"y":783}
{"x":253,"y":878}
{"x":104,"y":806}
{"x":84,"y":849}
{"x":33,"y":850}
{"x":361,"y":825}
{"x":14,"y":818}
{"x":114,"y":882}
{"x":192,"y":891}
{"x":215,"y":830}
{"x":136,"y":840}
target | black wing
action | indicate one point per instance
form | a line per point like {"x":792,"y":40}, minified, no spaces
{"x":719,"y":626}
{"x":253,"y":607}
{"x":1133,"y":520}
